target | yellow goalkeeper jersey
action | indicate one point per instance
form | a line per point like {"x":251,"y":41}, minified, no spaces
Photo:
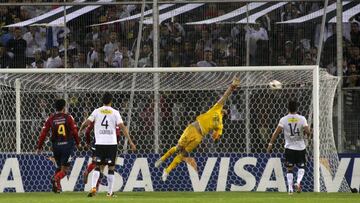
{"x":211,"y":120}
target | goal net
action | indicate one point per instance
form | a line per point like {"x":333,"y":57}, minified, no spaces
{"x":158,"y":107}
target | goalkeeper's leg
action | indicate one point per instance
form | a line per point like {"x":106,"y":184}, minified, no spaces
{"x":183,"y":141}
{"x":183,"y":152}
{"x":170,"y":152}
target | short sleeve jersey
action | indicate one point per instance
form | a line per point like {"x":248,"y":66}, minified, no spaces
{"x":105,"y":121}
{"x":293,"y":128}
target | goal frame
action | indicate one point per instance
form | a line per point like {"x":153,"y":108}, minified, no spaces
{"x":315,"y":93}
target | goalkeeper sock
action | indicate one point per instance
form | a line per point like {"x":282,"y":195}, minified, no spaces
{"x":95,"y":178}
{"x":170,"y":152}
{"x":174,"y":163}
{"x":110,"y":180}
{"x":90,"y":167}
{"x":290,"y":177}
{"x":300,"y":175}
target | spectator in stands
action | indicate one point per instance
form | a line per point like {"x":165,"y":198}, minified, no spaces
{"x":72,"y":46}
{"x":111,"y":46}
{"x":219,"y":49}
{"x":187,"y":55}
{"x":208,"y":59}
{"x":17,"y":47}
{"x":5,"y":19}
{"x":355,"y":33}
{"x":31,"y":37}
{"x":54,"y":61}
{"x":80,"y":60}
{"x":5,"y":59}
{"x":173,"y":54}
{"x":126,"y":62}
{"x":233,"y":58}
{"x":165,"y":37}
{"x":355,"y":56}
{"x":24,"y":14}
{"x":206,"y":38}
{"x":211,"y":11}
{"x":313,"y":53}
{"x":262,"y":54}
{"x":289,"y":53}
{"x":93,"y":58}
{"x":129,"y":33}
{"x":95,"y":34}
{"x":145,"y":59}
{"x":254,"y":33}
{"x":307,"y":60}
{"x":115,"y":59}
{"x":6,"y":35}
{"x":147,"y":36}
{"x":38,"y":59}
{"x":199,"y":50}
{"x":176,"y":31}
{"x":175,"y":61}
{"x":290,"y":12}
{"x":352,"y":78}
{"x":223,"y":62}
{"x":281,"y":61}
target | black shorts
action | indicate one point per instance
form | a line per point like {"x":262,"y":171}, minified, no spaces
{"x":293,"y":157}
{"x":63,"y":154}
{"x":106,"y":154}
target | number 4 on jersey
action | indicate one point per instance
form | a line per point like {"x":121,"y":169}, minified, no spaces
{"x":104,"y":122}
{"x":294,"y":130}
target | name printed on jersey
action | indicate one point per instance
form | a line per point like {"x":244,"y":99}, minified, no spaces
{"x":106,"y":132}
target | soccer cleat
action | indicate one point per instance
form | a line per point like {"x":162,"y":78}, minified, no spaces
{"x":298,"y":187}
{"x":158,"y":163}
{"x":56,"y":187}
{"x":291,"y":192}
{"x":85,"y":177}
{"x":164,"y":175}
{"x":92,"y":192}
{"x":111,"y":195}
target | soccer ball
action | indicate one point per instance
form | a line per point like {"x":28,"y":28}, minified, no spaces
{"x":275,"y":85}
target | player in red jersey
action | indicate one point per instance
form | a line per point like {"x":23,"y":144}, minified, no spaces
{"x":64,"y":136}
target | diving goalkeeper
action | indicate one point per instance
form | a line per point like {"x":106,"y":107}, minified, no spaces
{"x":211,"y":121}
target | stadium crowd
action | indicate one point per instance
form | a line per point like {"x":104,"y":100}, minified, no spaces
{"x":181,"y":45}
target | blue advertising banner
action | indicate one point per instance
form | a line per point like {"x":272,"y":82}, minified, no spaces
{"x":134,"y":172}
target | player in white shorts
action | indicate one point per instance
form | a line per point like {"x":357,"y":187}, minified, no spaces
{"x":294,"y":126}
{"x":106,"y":119}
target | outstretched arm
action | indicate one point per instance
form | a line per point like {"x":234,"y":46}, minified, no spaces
{"x":235,"y":83}
{"x":278,"y":130}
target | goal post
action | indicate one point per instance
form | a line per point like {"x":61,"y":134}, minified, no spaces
{"x":169,"y":94}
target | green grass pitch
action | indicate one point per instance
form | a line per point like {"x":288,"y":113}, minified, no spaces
{"x":181,"y":197}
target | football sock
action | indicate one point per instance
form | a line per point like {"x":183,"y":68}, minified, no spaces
{"x":59,"y":175}
{"x":56,"y":172}
{"x":290,"y":177}
{"x":300,"y":175}
{"x":90,"y":167}
{"x":110,"y":180}
{"x":174,"y":163}
{"x":95,"y":177}
{"x":170,"y":152}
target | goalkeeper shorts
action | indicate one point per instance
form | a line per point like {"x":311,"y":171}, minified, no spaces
{"x":190,"y":139}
